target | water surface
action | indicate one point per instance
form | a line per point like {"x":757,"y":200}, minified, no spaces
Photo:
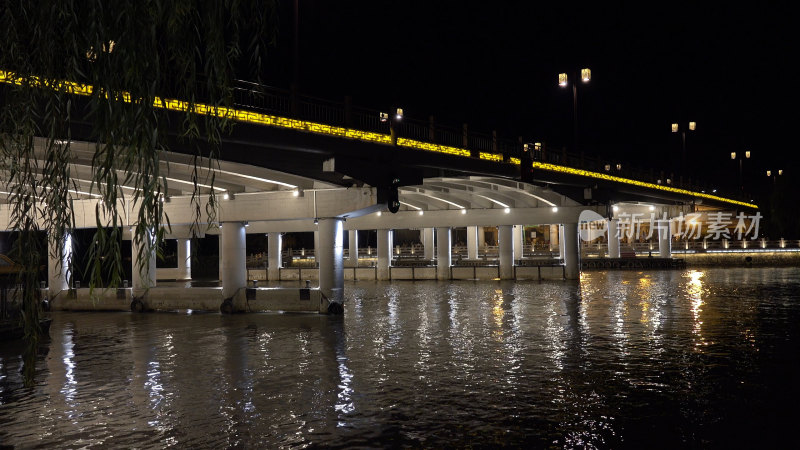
{"x":660,"y":359}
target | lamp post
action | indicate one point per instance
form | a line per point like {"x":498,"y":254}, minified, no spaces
{"x":774,"y":175}
{"x":563,"y":81}
{"x":676,"y":129}
{"x":746,"y":156}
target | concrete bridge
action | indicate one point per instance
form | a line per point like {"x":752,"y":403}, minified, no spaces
{"x":297,"y":173}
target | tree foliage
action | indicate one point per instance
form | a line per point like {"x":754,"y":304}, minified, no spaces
{"x":131,"y":53}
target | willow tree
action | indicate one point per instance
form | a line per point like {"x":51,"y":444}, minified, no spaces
{"x":108,"y":67}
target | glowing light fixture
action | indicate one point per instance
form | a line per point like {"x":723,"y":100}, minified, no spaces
{"x":463,"y":211}
{"x":674,"y":127}
{"x":586,"y":75}
{"x":619,"y":166}
{"x":384,"y":117}
{"x":226,"y":196}
{"x":555,"y":208}
{"x":420,"y":212}
{"x":747,"y":154}
{"x":733,"y":155}
{"x":562,"y":79}
{"x":692,"y":126}
{"x":615,"y":208}
{"x":399,"y":114}
{"x":652,"y":208}
{"x":769,"y":173}
{"x":379,"y":213}
{"x":537,"y":145}
{"x":780,"y":171}
{"x":507,"y":210}
{"x":608,"y":167}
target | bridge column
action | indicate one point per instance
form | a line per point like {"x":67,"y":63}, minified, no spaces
{"x":384,"y":254}
{"x":274,"y":256}
{"x":427,"y":242}
{"x":519,"y":240}
{"x":561,"y":241}
{"x":233,"y":270}
{"x":613,"y":238}
{"x":506,"y":247}
{"x":554,"y":243}
{"x":184,"y":259}
{"x":352,"y":243}
{"x":571,"y":251}
{"x":329,"y":255}
{"x":443,"y":253}
{"x":316,"y":245}
{"x":481,"y":237}
{"x":664,"y":242}
{"x":58,"y":272}
{"x":142,"y":280}
{"x":472,"y":242}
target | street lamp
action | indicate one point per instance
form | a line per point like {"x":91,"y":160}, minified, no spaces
{"x":775,"y":175}
{"x":746,"y":156}
{"x":676,"y":129}
{"x":563,"y":81}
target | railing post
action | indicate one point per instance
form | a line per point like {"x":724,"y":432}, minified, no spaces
{"x":564,"y":155}
{"x":431,"y":129}
{"x":465,"y":141}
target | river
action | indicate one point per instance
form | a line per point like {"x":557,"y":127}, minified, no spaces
{"x":662,"y":359}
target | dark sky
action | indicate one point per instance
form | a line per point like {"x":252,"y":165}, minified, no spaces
{"x":494,"y":65}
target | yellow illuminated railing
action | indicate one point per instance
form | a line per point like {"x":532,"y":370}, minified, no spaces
{"x":660,"y":187}
{"x":331,"y":130}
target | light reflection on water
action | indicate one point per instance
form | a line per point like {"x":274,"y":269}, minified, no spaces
{"x":623,"y":359}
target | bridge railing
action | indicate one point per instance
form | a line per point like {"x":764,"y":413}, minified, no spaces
{"x":290,"y":104}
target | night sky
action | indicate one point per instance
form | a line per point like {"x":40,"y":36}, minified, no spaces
{"x":494,"y":65}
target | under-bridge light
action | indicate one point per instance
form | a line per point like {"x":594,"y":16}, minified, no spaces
{"x":615,"y":208}
{"x":463,"y":211}
{"x":674,"y":127}
{"x":384,"y":117}
{"x":769,"y":173}
{"x":692,"y":126}
{"x":507,"y":210}
{"x":733,"y":155}
{"x":421,"y":212}
{"x":586,"y":75}
{"x":562,"y":79}
{"x":555,"y":208}
{"x":399,"y":114}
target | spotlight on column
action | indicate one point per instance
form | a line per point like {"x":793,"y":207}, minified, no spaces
{"x":463,"y":211}
{"x":246,"y":223}
{"x":399,"y":114}
{"x":555,"y":208}
{"x":421,"y":212}
{"x":615,"y":208}
{"x":507,"y":210}
{"x":379,"y":213}
{"x":316,"y":221}
{"x":297,"y":192}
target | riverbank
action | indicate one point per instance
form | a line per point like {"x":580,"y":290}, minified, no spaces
{"x":754,"y":258}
